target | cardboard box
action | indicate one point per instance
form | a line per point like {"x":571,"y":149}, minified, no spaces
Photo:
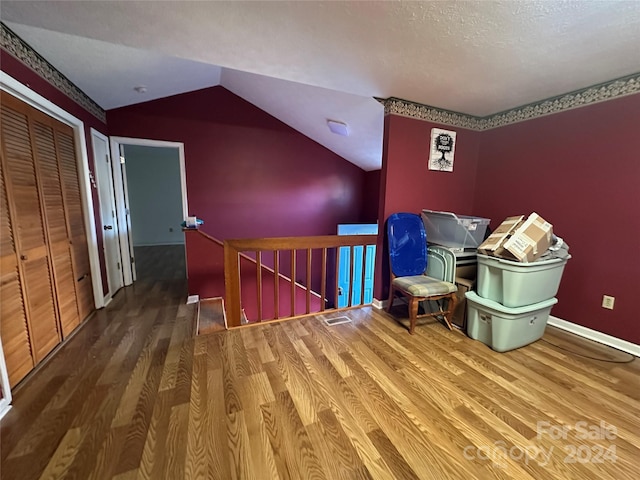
{"x":520,"y":241}
{"x":500,"y":235}
{"x":530,"y":240}
{"x":469,"y":272}
{"x":459,"y":318}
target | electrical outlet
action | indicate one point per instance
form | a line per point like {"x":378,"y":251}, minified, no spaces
{"x":607,"y":302}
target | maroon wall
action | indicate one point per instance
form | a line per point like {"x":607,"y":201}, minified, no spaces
{"x":407,"y":185}
{"x":371,"y":196}
{"x":579,"y":169}
{"x":248,"y":174}
{"x":410,"y":185}
{"x":26,"y":76}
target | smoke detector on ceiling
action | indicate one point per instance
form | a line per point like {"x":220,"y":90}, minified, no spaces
{"x":339,"y":128}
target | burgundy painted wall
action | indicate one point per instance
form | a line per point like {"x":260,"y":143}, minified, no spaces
{"x":407,"y":185}
{"x":26,"y":76}
{"x":248,"y":174}
{"x":371,"y":196}
{"x":580,"y":170}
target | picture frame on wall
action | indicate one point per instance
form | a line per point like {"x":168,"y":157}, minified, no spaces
{"x":442,"y":150}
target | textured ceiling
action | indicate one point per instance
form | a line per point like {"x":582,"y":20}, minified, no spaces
{"x":477,"y":57}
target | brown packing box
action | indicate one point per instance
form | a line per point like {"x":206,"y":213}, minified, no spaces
{"x":494,"y":241}
{"x":459,"y":318}
{"x":520,"y":241}
{"x":530,"y":240}
{"x":467,"y":271}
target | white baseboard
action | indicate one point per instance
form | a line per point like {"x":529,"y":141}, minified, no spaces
{"x":379,"y":304}
{"x":4,"y":408}
{"x":594,"y":335}
{"x":107,"y":300}
{"x":159,"y":244}
{"x":574,"y":328}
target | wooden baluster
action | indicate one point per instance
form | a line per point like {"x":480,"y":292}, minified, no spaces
{"x":293,"y":283}
{"x":259,"y":283}
{"x":232,"y":284}
{"x":323,"y":280}
{"x":276,"y":284}
{"x":308,"y":280}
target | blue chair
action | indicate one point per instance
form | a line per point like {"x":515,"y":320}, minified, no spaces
{"x":408,"y":262}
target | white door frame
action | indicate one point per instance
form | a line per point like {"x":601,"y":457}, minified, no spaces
{"x":124,"y":220}
{"x":113,"y":283}
{"x":5,"y":388}
{"x":24,"y":93}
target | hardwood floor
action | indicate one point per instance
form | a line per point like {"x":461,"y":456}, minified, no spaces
{"x":134,"y":394}
{"x":211,"y":316}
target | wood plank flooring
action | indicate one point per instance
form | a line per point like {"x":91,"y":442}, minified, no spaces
{"x":211,"y":316}
{"x":135,"y":394}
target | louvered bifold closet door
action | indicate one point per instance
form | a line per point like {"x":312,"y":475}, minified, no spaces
{"x":73,"y":205}
{"x":13,"y":320}
{"x":28,"y":227}
{"x":57,"y":229}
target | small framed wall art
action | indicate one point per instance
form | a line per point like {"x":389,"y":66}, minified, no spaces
{"x":443,"y":144}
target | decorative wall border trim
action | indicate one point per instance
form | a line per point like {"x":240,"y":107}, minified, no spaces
{"x":397,"y":106}
{"x":16,"y":47}
{"x":620,"y":87}
{"x":587,"y":96}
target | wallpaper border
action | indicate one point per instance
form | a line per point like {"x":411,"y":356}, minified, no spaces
{"x":616,"y":88}
{"x":620,"y":87}
{"x":18,"y":48}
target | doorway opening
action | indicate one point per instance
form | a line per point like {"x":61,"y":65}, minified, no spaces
{"x":151,"y":201}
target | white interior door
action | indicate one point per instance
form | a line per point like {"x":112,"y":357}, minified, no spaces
{"x":127,"y":209}
{"x":106,"y":197}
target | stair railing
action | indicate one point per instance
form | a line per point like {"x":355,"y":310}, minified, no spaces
{"x":327,"y":247}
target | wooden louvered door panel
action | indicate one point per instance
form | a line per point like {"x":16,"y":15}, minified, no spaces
{"x":73,"y":206}
{"x":13,"y":319}
{"x":28,"y":227}
{"x":55,"y":221}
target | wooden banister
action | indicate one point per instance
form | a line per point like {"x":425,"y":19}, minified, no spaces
{"x":207,"y":236}
{"x":235,"y":248}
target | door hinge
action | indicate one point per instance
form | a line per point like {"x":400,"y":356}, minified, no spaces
{"x":106,"y":157}
{"x":118,"y":265}
{"x":133,"y":260}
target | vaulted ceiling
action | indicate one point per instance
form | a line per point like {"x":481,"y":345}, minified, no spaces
{"x":305,"y":62}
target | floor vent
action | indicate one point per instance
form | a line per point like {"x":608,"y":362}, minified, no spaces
{"x":193,"y":299}
{"x":337,"y":320}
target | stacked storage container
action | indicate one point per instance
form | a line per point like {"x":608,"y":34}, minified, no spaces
{"x":456,"y":237}
{"x":513,"y":301}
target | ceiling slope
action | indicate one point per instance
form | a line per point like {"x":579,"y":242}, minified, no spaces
{"x":475,"y":57}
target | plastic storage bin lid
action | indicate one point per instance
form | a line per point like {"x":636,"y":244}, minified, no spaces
{"x":520,"y":265}
{"x":454,"y":231}
{"x":466,"y":221}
